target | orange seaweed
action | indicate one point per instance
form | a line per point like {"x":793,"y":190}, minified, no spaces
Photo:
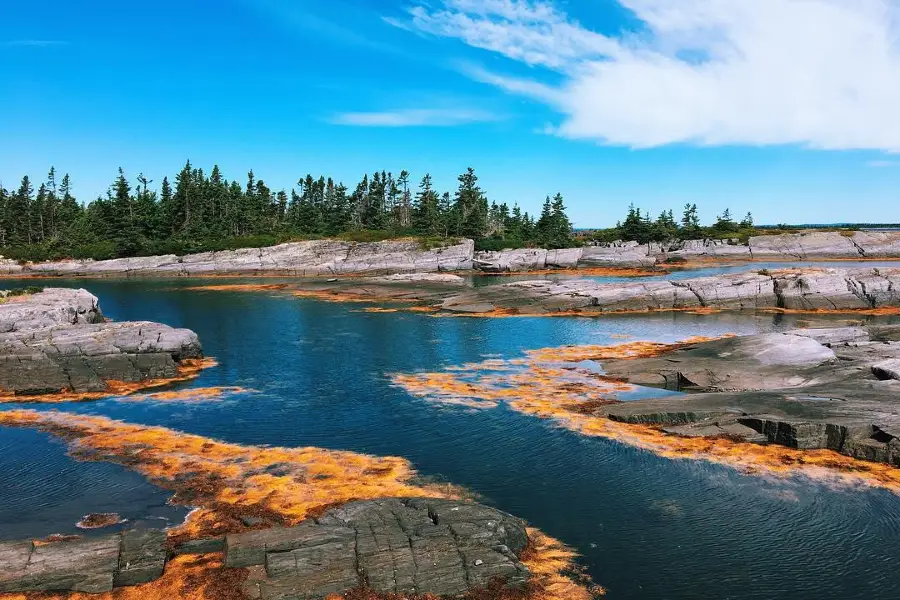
{"x":544,"y":386}
{"x":280,"y":485}
{"x":201,"y":394}
{"x":99,"y":521}
{"x":187,"y":369}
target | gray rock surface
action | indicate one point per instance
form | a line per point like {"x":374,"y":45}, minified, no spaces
{"x":809,"y":289}
{"x":404,"y":546}
{"x":316,"y":257}
{"x":53,"y":306}
{"x":93,"y":565}
{"x":788,"y":389}
{"x":56,"y":341}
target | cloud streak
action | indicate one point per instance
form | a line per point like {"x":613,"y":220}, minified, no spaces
{"x":416,"y":117}
{"x":34,"y":43}
{"x":823,"y":74}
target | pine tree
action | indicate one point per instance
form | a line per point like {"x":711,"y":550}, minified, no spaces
{"x":470,"y":207}
{"x":126,"y":233}
{"x":426,"y":217}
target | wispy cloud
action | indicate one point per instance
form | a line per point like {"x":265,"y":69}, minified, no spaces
{"x":820,"y":73}
{"x":35,"y":43}
{"x":415,"y":117}
{"x":883,"y":164}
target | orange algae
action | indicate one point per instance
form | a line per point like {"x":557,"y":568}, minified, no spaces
{"x":99,"y":521}
{"x":187,"y":369}
{"x":238,"y":287}
{"x":201,"y":394}
{"x":280,"y":485}
{"x":550,"y":383}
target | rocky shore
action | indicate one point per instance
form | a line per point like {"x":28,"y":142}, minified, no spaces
{"x":56,"y":343}
{"x":807,"y":289}
{"x":833,"y":389}
{"x":334,"y":257}
{"x":310,"y":258}
{"x":402,"y":546}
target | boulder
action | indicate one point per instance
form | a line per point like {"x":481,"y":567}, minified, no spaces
{"x":522,"y":259}
{"x":57,"y":341}
{"x":391,"y":546}
{"x":53,"y":306}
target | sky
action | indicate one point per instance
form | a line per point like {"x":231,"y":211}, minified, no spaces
{"x":789,"y":109}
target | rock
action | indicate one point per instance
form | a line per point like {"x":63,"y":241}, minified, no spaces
{"x":402,"y":546}
{"x":522,"y":259}
{"x":628,"y":254}
{"x":565,"y":258}
{"x":801,"y":246}
{"x":424,"y":277}
{"x":53,"y":306}
{"x":142,"y":557}
{"x":315,"y":257}
{"x":203,"y":546}
{"x":83,"y":565}
{"x":809,"y":289}
{"x":788,"y":389}
{"x":56,"y":341}
{"x":71,"y":566}
{"x":887,"y":369}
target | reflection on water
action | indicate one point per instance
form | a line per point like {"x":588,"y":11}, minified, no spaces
{"x":319,"y":373}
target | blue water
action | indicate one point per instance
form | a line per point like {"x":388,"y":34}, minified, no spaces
{"x":647,"y":527}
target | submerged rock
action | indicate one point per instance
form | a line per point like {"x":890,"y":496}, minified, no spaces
{"x":403,"y":546}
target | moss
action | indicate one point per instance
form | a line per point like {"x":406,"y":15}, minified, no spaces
{"x":26,"y":291}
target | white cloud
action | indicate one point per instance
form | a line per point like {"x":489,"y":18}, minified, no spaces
{"x":416,"y":117}
{"x":820,"y":73}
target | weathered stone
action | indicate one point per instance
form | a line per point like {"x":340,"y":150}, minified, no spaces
{"x":787,"y":389}
{"x":142,"y":557}
{"x":813,"y":289}
{"x":203,"y":546}
{"x":73,"y":566}
{"x":57,"y":341}
{"x":404,"y":546}
{"x":887,"y":369}
{"x":315,"y":257}
{"x":53,"y":306}
{"x":522,"y":259}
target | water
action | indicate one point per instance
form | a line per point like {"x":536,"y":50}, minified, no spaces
{"x":647,"y":527}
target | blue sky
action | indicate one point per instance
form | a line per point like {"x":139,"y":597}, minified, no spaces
{"x":790,"y":110}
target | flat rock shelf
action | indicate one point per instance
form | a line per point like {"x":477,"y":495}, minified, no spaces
{"x":93,"y":565}
{"x":403,"y":546}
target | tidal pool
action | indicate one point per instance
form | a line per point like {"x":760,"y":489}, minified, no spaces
{"x":319,"y":374}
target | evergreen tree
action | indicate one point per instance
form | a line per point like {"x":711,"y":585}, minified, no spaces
{"x":426,"y":217}
{"x":470,"y":207}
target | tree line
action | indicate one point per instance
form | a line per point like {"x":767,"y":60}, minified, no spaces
{"x":196,"y":211}
{"x":641,"y":227}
